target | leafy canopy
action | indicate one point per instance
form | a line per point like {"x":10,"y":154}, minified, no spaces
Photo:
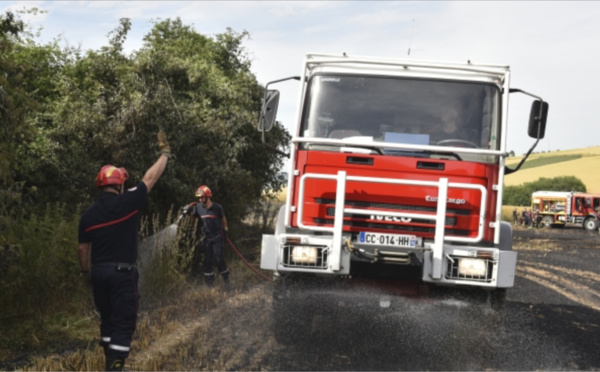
{"x":73,"y":112}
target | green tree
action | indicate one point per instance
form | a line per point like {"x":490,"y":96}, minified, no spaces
{"x":105,"y":108}
{"x":521,"y":194}
{"x":14,"y":99}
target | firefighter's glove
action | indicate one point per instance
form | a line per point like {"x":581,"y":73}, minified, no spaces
{"x":225,"y":234}
{"x":163,"y":144}
{"x":186,"y":209}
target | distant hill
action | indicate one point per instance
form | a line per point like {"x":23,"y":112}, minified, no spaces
{"x":582,"y":163}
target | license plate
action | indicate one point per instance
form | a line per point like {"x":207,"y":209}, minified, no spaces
{"x":389,"y":239}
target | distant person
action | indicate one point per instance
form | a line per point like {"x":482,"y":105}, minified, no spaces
{"x":529,"y":219}
{"x":515,"y":217}
{"x":584,"y":207}
{"x":538,"y":219}
{"x":214,"y":229}
{"x":109,"y":231}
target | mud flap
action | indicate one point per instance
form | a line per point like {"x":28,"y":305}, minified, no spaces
{"x":268,"y":253}
{"x":507,"y":264}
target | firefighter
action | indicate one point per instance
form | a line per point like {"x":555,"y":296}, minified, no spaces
{"x":109,"y":231}
{"x":214,"y":229}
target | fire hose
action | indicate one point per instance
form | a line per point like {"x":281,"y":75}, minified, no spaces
{"x":246,"y":262}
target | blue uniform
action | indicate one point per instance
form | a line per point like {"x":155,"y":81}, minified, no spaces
{"x":213,"y":245}
{"x":111,"y":225}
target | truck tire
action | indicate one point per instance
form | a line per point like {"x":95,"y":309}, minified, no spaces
{"x":547,"y":221}
{"x":590,"y":224}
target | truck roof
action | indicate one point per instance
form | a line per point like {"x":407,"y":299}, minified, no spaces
{"x":405,"y":67}
{"x":561,"y":194}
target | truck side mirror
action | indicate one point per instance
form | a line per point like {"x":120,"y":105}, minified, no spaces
{"x":268,"y":111}
{"x":537,"y":119}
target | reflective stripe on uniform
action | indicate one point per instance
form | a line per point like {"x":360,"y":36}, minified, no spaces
{"x":111,"y":222}
{"x":118,"y":347}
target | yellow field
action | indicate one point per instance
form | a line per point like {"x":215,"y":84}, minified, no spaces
{"x":586,"y":168}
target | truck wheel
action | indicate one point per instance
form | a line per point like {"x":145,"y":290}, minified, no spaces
{"x":547,"y":221}
{"x":590,"y":224}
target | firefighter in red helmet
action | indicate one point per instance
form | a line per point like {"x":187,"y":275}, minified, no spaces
{"x":108,"y":233}
{"x":214,"y":229}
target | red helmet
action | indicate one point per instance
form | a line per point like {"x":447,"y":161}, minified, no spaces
{"x":203,"y":191}
{"x":111,"y":175}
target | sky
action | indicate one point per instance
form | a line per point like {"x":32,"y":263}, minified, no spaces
{"x":552,"y":47}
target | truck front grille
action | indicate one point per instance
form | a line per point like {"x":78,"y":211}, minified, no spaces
{"x":360,"y":221}
{"x":390,"y":206}
{"x":388,"y":226}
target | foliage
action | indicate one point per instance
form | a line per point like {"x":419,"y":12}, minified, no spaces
{"x":263,"y":214}
{"x":14,"y":98}
{"x":521,"y":195}
{"x":65,"y":113}
{"x":105,"y":107}
{"x":166,"y":254}
{"x":39,"y":271}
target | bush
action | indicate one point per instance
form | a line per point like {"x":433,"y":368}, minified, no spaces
{"x":521,"y":195}
{"x":40,"y":271}
{"x":166,"y":255}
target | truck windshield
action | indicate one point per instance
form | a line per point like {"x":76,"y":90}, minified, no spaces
{"x":401,"y":110}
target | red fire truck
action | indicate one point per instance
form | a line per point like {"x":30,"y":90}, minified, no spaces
{"x":396,"y":171}
{"x":559,"y":208}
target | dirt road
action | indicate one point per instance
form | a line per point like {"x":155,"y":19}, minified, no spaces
{"x":551,"y":322}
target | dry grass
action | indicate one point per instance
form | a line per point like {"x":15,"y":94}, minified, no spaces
{"x":166,"y":336}
{"x":165,"y":324}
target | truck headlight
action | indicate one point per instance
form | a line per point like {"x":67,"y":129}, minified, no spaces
{"x":306,"y":255}
{"x":472,"y":267}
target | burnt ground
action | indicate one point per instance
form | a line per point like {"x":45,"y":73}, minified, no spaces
{"x":551,"y":321}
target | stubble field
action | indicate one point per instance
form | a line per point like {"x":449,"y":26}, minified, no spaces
{"x":551,"y":322}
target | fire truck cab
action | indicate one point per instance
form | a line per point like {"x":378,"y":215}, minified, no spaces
{"x":396,"y":170}
{"x":559,"y":208}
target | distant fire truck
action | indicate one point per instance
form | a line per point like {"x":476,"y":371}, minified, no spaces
{"x":396,"y":169}
{"x":559,"y":208}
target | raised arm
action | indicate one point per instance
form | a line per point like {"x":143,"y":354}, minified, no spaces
{"x":156,"y":170}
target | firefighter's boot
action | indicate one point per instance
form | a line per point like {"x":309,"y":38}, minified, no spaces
{"x":114,"y":363}
{"x":209,"y":279}
{"x":225,"y":276}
